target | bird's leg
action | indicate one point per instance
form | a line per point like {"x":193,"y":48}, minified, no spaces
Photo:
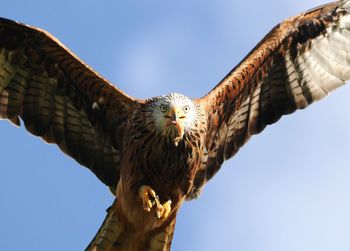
{"x":150,"y":199}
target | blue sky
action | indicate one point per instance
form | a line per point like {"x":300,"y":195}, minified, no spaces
{"x":287,"y":189}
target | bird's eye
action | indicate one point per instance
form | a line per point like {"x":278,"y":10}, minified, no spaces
{"x":186,"y":108}
{"x":163,"y":108}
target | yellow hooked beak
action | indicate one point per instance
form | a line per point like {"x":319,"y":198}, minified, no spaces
{"x":176,"y":115}
{"x":174,"y":120}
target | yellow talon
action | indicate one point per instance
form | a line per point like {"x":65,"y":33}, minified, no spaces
{"x":163,"y":211}
{"x":150,"y":199}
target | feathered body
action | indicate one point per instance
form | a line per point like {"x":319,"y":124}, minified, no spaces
{"x":156,"y":153}
{"x":166,"y":165}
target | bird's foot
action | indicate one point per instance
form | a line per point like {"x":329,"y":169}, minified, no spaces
{"x":163,"y":210}
{"x":150,"y":199}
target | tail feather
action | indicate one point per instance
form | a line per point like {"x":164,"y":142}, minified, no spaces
{"x":113,"y":236}
{"x":108,"y":235}
{"x":162,"y":241}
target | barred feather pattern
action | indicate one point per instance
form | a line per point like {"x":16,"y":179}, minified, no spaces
{"x":299,"y":62}
{"x":114,"y":236}
{"x":63,"y":101}
{"x":60,"y":99}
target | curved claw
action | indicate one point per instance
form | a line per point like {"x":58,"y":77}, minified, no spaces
{"x":163,"y":210}
{"x":150,"y":199}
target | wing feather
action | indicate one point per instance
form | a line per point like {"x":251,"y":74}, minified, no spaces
{"x":300,"y":61}
{"x":61,"y":99}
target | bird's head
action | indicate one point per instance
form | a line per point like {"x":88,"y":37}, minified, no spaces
{"x":173,"y":115}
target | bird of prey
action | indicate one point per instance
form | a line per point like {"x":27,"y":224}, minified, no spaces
{"x":156,"y":153}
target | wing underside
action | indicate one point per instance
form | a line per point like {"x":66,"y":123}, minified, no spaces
{"x":61,"y":99}
{"x":299,"y":62}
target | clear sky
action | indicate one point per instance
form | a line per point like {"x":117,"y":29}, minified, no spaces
{"x":287,"y":189}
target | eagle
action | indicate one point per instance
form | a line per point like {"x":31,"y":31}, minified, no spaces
{"x":156,"y":153}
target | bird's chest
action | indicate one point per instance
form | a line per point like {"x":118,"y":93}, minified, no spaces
{"x":169,"y":167}
{"x":163,"y":166}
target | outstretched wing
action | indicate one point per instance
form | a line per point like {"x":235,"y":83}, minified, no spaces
{"x":300,"y":61}
{"x":61,"y":99}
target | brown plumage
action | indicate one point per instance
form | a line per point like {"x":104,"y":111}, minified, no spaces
{"x":156,"y":153}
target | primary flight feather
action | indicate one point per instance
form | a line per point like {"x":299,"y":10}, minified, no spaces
{"x":158,"y":152}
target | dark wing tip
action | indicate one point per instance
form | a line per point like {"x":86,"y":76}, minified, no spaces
{"x":53,"y":91}
{"x":13,"y":23}
{"x":274,"y":79}
{"x":6,"y":20}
